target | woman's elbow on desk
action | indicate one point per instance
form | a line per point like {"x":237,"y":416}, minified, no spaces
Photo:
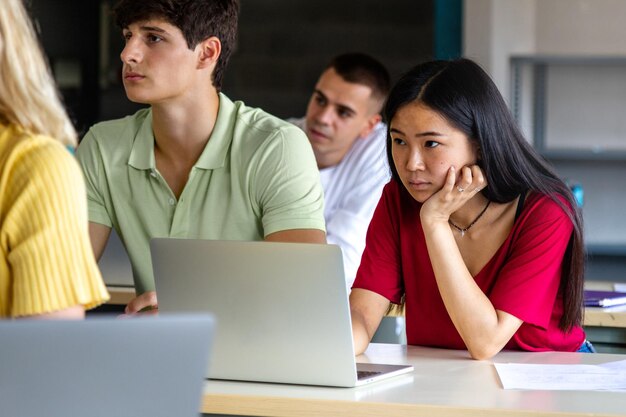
{"x":486,"y":339}
{"x":486,"y":348}
{"x":481,"y":353}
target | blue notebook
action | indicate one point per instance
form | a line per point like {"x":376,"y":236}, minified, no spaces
{"x":604,"y":298}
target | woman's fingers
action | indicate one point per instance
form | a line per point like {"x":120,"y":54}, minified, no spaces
{"x":465,"y":179}
{"x":450,"y":179}
{"x":471,"y":180}
{"x":478,"y":179}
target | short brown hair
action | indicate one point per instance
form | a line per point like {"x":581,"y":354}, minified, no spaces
{"x":363,"y":69}
{"x":197,"y":20}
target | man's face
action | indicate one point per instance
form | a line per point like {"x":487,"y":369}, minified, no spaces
{"x":338,"y":113}
{"x":158,"y":64}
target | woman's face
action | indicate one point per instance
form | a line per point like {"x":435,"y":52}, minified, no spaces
{"x":424,"y":146}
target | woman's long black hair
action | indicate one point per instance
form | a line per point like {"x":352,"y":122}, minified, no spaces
{"x":466,"y":96}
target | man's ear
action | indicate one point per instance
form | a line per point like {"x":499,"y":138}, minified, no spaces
{"x":210,"y":50}
{"x":369,"y":125}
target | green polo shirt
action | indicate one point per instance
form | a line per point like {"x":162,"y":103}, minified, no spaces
{"x":257,"y":175}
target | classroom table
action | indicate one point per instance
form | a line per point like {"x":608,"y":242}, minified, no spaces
{"x":604,"y":317}
{"x":444,"y":383}
{"x":594,"y":316}
{"x":606,"y":327}
{"x":120,"y":295}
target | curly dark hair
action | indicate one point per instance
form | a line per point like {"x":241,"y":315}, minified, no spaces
{"x":197,"y":20}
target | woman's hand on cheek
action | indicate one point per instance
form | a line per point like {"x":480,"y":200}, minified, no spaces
{"x":456,"y":191}
{"x":470,"y":182}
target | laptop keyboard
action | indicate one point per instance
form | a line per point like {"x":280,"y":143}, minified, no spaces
{"x":366,"y":374}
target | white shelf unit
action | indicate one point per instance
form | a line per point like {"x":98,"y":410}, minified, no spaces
{"x":573,"y":110}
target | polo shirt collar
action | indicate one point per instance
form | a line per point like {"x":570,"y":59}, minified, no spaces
{"x":142,"y":153}
{"x":214,"y":154}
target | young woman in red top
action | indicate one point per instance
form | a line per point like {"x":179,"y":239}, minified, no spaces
{"x":475,"y":232}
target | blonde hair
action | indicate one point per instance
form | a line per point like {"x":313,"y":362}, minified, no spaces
{"x":28,"y":94}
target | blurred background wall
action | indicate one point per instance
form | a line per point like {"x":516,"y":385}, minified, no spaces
{"x":283,"y":45}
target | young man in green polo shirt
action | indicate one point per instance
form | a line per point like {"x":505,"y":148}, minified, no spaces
{"x":194,"y":164}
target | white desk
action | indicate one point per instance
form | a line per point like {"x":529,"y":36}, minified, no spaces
{"x":445,"y":383}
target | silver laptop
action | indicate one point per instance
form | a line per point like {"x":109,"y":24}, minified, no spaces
{"x":281,"y":309}
{"x":104,"y":367}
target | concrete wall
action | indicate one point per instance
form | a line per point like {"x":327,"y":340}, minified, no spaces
{"x":496,"y":29}
{"x":585,"y":104}
{"x":582,"y":27}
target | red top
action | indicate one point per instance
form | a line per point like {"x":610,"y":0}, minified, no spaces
{"x":522,"y":278}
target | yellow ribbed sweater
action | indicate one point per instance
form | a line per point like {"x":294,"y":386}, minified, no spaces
{"x":46,"y":261}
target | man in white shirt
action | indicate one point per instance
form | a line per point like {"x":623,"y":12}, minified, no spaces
{"x":343,"y":124}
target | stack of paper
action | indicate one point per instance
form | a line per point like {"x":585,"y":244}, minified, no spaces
{"x":609,"y":376}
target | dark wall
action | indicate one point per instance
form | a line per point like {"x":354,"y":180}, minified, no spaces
{"x":70,"y":37}
{"x":283,"y":45}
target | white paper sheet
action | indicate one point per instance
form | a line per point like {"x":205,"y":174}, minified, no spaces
{"x":610,"y":376}
{"x":619,"y":287}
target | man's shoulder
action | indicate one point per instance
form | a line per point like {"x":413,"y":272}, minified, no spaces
{"x":252,"y":133}
{"x":372,"y":147}
{"x":378,"y":134}
{"x":256,"y":121}
{"x":297,"y":121}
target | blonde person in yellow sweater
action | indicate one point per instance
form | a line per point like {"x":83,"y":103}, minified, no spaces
{"x":47,"y":267}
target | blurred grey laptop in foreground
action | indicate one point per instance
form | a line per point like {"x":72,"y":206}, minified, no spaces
{"x":103,"y":367}
{"x":282,"y":309}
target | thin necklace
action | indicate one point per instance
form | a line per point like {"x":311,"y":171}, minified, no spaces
{"x":463,"y":230}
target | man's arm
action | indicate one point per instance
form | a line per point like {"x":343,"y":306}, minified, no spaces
{"x":99,"y":236}
{"x":297,"y":235}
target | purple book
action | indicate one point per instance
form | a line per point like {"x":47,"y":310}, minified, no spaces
{"x":604,"y":298}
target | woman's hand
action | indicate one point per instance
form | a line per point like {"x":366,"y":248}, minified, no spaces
{"x":454,"y":194}
{"x":484,"y":329}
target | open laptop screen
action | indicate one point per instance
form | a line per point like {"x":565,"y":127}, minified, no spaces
{"x":104,"y":367}
{"x":282,"y":308}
